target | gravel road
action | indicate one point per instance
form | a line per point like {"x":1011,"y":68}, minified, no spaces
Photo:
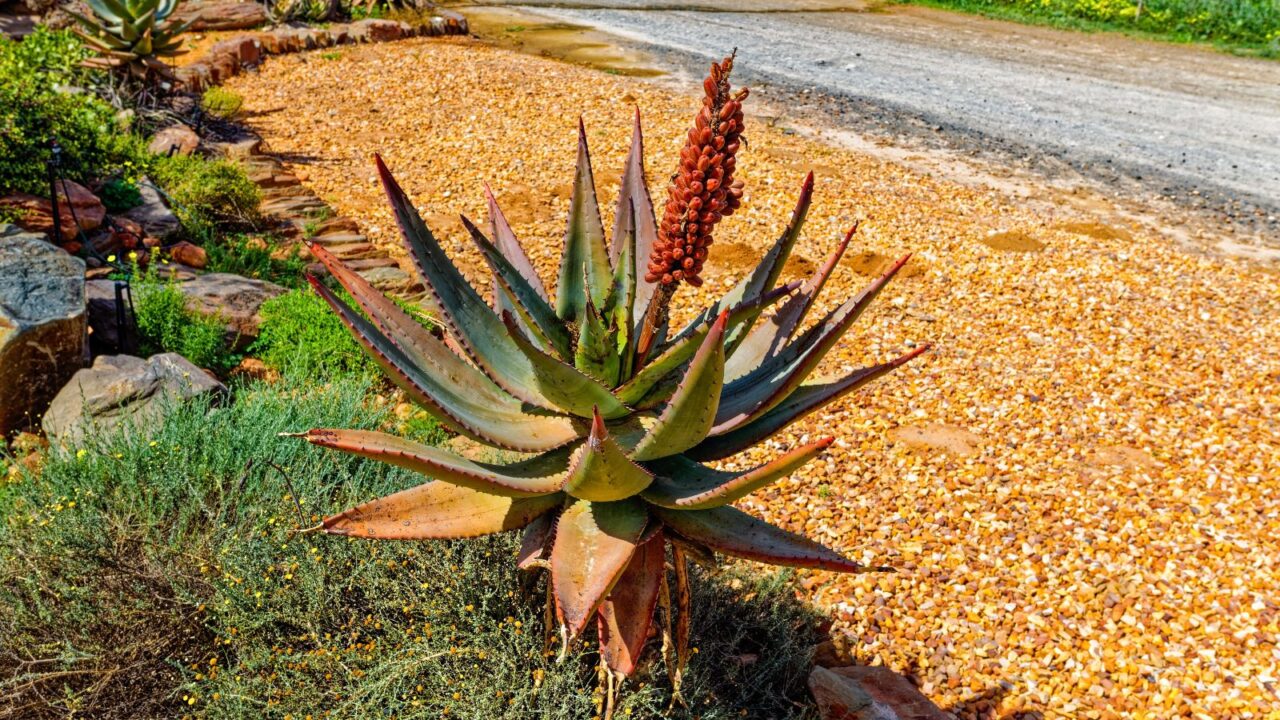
{"x":1190,"y":124}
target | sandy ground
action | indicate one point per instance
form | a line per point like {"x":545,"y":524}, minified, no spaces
{"x":1079,"y":485}
{"x":1191,"y":126}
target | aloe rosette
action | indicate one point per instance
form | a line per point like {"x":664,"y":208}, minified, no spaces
{"x":132,"y":34}
{"x":614,"y":444}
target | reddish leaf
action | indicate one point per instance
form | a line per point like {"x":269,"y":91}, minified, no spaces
{"x":626,"y":615}
{"x":438,"y":510}
{"x":733,"y":532}
{"x":593,"y":544}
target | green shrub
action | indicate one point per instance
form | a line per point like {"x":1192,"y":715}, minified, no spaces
{"x":221,"y":102}
{"x":159,"y":576}
{"x":206,"y":193}
{"x":166,"y":325}
{"x":120,"y":194}
{"x":248,"y":256}
{"x":43,"y":96}
{"x":300,"y":334}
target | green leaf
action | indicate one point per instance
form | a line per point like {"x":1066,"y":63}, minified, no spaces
{"x":597,"y":351}
{"x":623,"y":301}
{"x":438,"y":510}
{"x":803,"y":401}
{"x":505,"y":239}
{"x":522,"y":298}
{"x":682,"y":484}
{"x":601,"y":471}
{"x":733,"y":532}
{"x":766,"y":274}
{"x":468,"y":318}
{"x":766,"y":338}
{"x":541,"y":475}
{"x":635,"y":227}
{"x":584,"y":266}
{"x":689,"y":415}
{"x":680,"y":349}
{"x":592,"y":547}
{"x":484,"y":418}
{"x":759,"y":391}
{"x":564,"y":385}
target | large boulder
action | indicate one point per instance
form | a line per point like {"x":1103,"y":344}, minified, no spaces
{"x":232,"y":300}
{"x":42,"y":326}
{"x":78,"y":209}
{"x":869,"y":693}
{"x":120,"y":388}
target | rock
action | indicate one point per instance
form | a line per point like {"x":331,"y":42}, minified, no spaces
{"x":156,"y":219}
{"x":222,"y":14}
{"x":254,"y":369}
{"x":246,"y":50}
{"x":42,"y":326}
{"x":869,"y":693}
{"x":233,"y":300}
{"x":371,"y":30}
{"x":121,"y":235}
{"x":178,"y":139}
{"x":75,"y":205}
{"x":189,"y":255}
{"x":937,"y":436}
{"x":122,"y":387}
{"x":104,"y":315}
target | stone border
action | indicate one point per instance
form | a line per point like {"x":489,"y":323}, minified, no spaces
{"x":227,"y":58}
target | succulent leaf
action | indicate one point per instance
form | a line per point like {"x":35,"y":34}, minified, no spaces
{"x":505,"y":238}
{"x":682,"y":484}
{"x":601,"y":470}
{"x":520,"y":297}
{"x":438,"y":510}
{"x":498,"y":423}
{"x":691,"y":411}
{"x":584,"y":267}
{"x":803,"y":401}
{"x":635,"y":224}
{"x":467,"y":316}
{"x":767,"y":337}
{"x":535,"y":543}
{"x":540,"y":475}
{"x":594,"y":543}
{"x":626,"y":614}
{"x":733,"y":532}
{"x":759,"y":391}
{"x":681,"y":348}
{"x":766,"y":274}
{"x":597,"y":351}
{"x":564,"y":385}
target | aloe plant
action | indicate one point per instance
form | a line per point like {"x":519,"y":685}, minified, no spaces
{"x":132,"y":34}
{"x":615,"y":438}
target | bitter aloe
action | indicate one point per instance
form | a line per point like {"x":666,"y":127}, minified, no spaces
{"x":617,"y":436}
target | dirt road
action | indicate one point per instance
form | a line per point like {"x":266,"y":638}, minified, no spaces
{"x":1172,"y":122}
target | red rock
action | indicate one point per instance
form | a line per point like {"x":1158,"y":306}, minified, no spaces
{"x":247,"y":50}
{"x":223,"y":14}
{"x":179,"y":136}
{"x":869,"y":693}
{"x":372,"y":30}
{"x":75,"y":203}
{"x":189,"y":255}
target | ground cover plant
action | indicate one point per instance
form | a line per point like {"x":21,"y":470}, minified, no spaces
{"x":1246,"y":25}
{"x":155,"y":572}
{"x":617,"y":415}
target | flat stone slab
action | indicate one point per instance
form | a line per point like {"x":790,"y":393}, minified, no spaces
{"x":123,"y":388}
{"x":232,"y":300}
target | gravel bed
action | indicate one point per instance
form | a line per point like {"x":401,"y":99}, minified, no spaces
{"x":1078,"y":486}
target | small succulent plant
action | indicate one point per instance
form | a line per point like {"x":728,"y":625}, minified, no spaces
{"x":132,"y":34}
{"x":616,"y":435}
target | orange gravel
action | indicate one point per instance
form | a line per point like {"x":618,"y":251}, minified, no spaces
{"x":1080,"y":485}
